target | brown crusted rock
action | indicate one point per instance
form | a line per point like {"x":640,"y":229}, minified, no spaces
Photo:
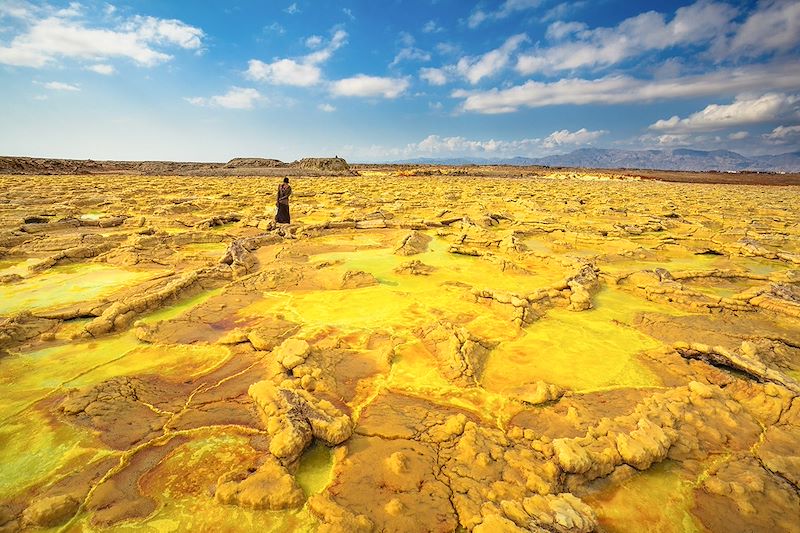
{"x":51,"y":511}
{"x":538,"y":393}
{"x":268,"y":334}
{"x":295,"y":417}
{"x":643,"y":446}
{"x":497,"y":524}
{"x":460,"y":356}
{"x":18,"y":329}
{"x":582,"y":285}
{"x":337,"y":519}
{"x":240,"y":259}
{"x":562,"y":513}
{"x":291,"y":352}
{"x":414,"y":243}
{"x":371,"y":224}
{"x":571,"y":456}
{"x":739,"y":495}
{"x":269,"y":487}
{"x":415,"y":268}
{"x":356,"y":279}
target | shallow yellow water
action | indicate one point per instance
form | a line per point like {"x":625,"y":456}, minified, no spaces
{"x":66,"y":285}
{"x":659,"y":499}
{"x":579,"y":350}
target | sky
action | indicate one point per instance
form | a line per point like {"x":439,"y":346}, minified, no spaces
{"x":395,"y":79}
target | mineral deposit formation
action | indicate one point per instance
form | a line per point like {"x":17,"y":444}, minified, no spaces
{"x":422,"y":349}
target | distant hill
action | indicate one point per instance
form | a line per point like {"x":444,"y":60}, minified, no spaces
{"x":240,"y":166}
{"x":676,"y":159}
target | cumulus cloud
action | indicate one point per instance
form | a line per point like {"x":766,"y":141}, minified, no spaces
{"x":235,"y":98}
{"x":102,"y":68}
{"x":506,"y":9}
{"x":284,"y":72}
{"x":701,"y":22}
{"x":431,"y":27}
{"x":302,"y":72}
{"x":566,"y":137}
{"x":783,"y":135}
{"x":436,"y":145}
{"x":738,"y":135}
{"x":434,"y":76}
{"x":743,"y":111}
{"x":622,"y":89}
{"x":328,"y":108}
{"x":773,"y":27}
{"x":476,"y":68}
{"x":49,"y":36}
{"x":409,"y":52}
{"x":292,"y":9}
{"x":59,"y":86}
{"x":313,"y":41}
{"x":370,"y":86}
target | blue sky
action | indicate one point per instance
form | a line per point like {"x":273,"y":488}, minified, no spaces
{"x":377,"y":81}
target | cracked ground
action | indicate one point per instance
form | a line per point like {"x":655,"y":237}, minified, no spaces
{"x":414,"y":353}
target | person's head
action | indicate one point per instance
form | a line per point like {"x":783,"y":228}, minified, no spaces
{"x":286,"y":180}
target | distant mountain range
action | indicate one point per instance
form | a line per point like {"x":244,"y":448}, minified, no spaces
{"x":677,"y":159}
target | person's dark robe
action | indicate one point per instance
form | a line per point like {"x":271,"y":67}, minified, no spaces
{"x":284,"y":191}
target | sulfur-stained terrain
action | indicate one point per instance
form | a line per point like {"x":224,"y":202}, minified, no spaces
{"x":452,"y":352}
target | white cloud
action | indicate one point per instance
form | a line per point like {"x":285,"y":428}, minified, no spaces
{"x":410,"y":53}
{"x":738,"y":135}
{"x":59,"y":86}
{"x":17,"y":9}
{"x":348,"y":13}
{"x":328,"y":108}
{"x":431,"y":27}
{"x":434,"y":76}
{"x":304,"y":72}
{"x":161,"y":31}
{"x":508,"y":8}
{"x":562,"y":10}
{"x":436,"y":145}
{"x":292,"y":9}
{"x":701,"y":22}
{"x":235,"y":98}
{"x":744,"y":110}
{"x":447,"y":49}
{"x":625,"y":89}
{"x":370,"y":86}
{"x":773,"y":26}
{"x":667,"y":140}
{"x":72,"y":10}
{"x":783,"y":135}
{"x":284,"y":72}
{"x":61,"y":35}
{"x":559,"y":29}
{"x":566,"y":137}
{"x":313,"y":41}
{"x":102,"y":68}
{"x":476,"y":68}
{"x":275,"y":27}
{"x":338,"y":40}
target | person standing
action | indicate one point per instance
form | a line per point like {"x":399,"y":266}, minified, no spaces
{"x":284,"y":192}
